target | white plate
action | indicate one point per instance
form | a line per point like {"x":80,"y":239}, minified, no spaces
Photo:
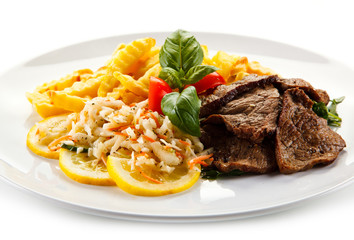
{"x":207,"y":200}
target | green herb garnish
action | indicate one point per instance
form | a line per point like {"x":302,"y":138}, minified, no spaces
{"x":181,"y":57}
{"x":183,"y":110}
{"x":73,"y":148}
{"x":208,"y":173}
{"x":329,"y":113}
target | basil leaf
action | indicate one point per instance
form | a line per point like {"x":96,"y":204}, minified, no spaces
{"x":171,"y":76}
{"x":181,"y":51}
{"x":196,"y":73}
{"x":183,"y":110}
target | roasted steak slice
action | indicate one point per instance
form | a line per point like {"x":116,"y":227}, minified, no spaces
{"x":316,"y":94}
{"x":231,"y":152}
{"x":303,"y":139}
{"x":252,"y":115}
{"x":222,"y":94}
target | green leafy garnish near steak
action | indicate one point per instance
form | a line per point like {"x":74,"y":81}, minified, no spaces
{"x":73,"y":148}
{"x":329,"y":113}
{"x":213,"y":174}
{"x":181,"y":57}
{"x":183,"y":110}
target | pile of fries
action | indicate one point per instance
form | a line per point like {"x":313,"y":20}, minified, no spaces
{"x":125,"y":76}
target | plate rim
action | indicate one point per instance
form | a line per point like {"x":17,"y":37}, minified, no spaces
{"x":174,"y":218}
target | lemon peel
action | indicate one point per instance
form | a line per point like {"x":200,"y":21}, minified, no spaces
{"x":39,"y":147}
{"x":83,"y":169}
{"x":133,"y":182}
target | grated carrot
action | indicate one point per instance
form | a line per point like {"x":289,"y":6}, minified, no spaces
{"x":53,"y":145}
{"x":200,"y":160}
{"x":120,"y":128}
{"x":178,"y":154}
{"x":148,"y":177}
{"x":121,"y":134}
{"x":184,"y":142}
{"x":142,"y":154}
{"x":148,"y":138}
{"x":162,"y":136}
{"x":155,"y":119}
{"x":103,"y":158}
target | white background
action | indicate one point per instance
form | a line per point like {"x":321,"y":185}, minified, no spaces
{"x":30,"y":28}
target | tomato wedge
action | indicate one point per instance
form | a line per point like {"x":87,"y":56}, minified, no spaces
{"x":209,"y":81}
{"x":157,"y":89}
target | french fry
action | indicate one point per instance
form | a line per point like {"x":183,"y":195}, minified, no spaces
{"x":243,"y":67}
{"x":44,"y":107}
{"x":152,"y":72}
{"x":132,"y":85}
{"x":225,"y":63}
{"x":68,"y":102}
{"x":126,"y":57}
{"x":257,"y":68}
{"x":241,"y":75}
{"x":108,"y":83}
{"x":129,"y":97}
{"x":61,"y":83}
{"x":125,"y":95}
{"x":148,"y":61}
{"x":206,"y":60}
{"x":82,"y":89}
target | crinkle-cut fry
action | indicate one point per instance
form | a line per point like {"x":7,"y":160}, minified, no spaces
{"x":240,"y":75}
{"x":152,"y":72}
{"x":121,"y":93}
{"x":257,"y":68}
{"x":43,"y":106}
{"x":149,"y":60}
{"x":144,"y":63}
{"x":82,"y":89}
{"x":124,"y":58}
{"x":240,"y":66}
{"x":225,"y":63}
{"x":129,"y":97}
{"x":116,"y":92}
{"x":68,"y":102}
{"x":107,"y":85}
{"x":119,"y":47}
{"x":206,"y":60}
{"x":243,"y":65}
{"x":132,"y":85}
{"x":98,"y":73}
{"x":61,"y":83}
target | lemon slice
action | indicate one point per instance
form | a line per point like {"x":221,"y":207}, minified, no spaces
{"x":38,"y":141}
{"x":83,"y":169}
{"x":150,"y":183}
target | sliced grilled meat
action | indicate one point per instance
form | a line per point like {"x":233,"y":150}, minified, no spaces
{"x":303,"y":139}
{"x":223,"y":94}
{"x":252,"y":115}
{"x":316,"y":94}
{"x":231,"y":152}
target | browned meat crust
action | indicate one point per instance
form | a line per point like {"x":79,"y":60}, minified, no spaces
{"x":303,"y":139}
{"x":231,"y":152}
{"x":316,"y":94}
{"x":252,"y":115}
{"x":223,"y":94}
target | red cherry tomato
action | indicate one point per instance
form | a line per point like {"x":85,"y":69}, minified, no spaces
{"x":209,"y":81}
{"x":157,"y":89}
